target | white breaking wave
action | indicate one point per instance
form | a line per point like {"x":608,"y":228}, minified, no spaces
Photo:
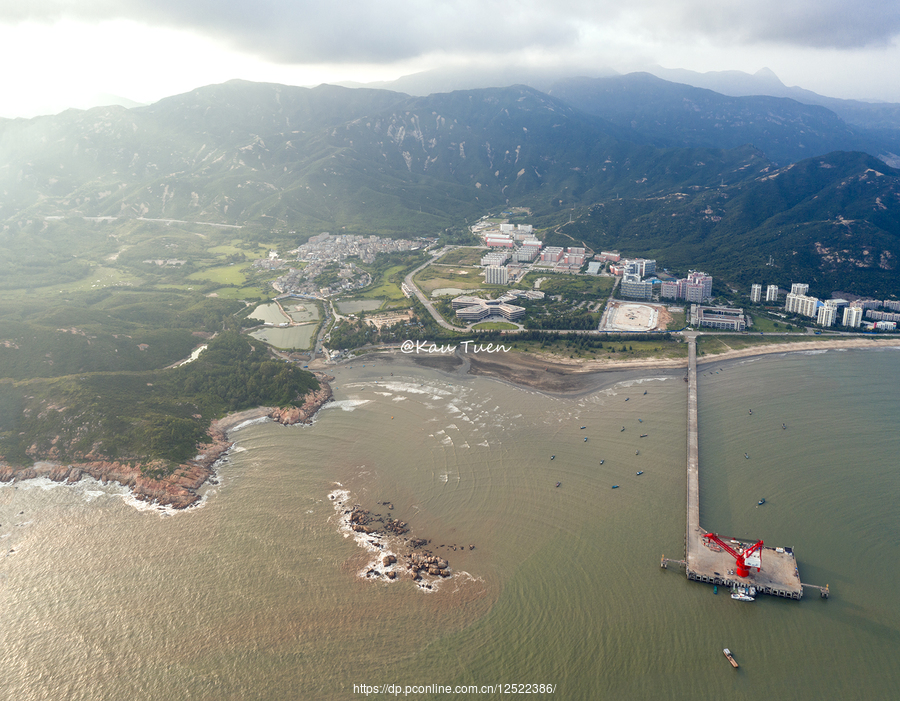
{"x":347,"y":404}
{"x":250,"y":422}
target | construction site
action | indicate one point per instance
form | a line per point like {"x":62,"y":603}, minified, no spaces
{"x":632,"y":317}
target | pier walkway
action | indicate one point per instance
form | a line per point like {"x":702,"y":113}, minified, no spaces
{"x":706,"y":562}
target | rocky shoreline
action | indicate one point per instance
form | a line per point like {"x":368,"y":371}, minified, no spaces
{"x":178,"y":489}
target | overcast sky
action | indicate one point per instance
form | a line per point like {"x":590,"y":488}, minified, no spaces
{"x":62,"y":53}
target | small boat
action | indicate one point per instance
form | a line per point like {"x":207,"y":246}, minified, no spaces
{"x":553,"y":457}
{"x":746,"y":456}
{"x":637,"y":452}
{"x":623,"y":428}
{"x":583,"y":427}
{"x":730,"y":658}
{"x":645,"y":391}
{"x":742,"y":594}
{"x":716,"y":589}
{"x":640,"y":421}
{"x":615,"y":486}
{"x":783,"y":426}
{"x":761,"y":502}
{"x":751,"y":411}
{"x":558,"y":483}
{"x":627,"y":398}
{"x":640,"y":472}
{"x":601,"y":462}
{"x":585,"y":440}
{"x":643,"y":435}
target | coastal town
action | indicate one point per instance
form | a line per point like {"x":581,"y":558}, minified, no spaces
{"x":517,"y":281}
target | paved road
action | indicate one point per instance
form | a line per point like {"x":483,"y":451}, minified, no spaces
{"x":408,"y":281}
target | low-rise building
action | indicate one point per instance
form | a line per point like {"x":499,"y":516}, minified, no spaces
{"x":725,"y":318}
{"x":475,"y":309}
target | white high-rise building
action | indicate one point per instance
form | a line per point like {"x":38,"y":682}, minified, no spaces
{"x":772,"y":293}
{"x":755,"y":293}
{"x":801,"y":304}
{"x":825,"y":315}
{"x":496,"y":275}
{"x":798,"y":288}
{"x":852,"y":317}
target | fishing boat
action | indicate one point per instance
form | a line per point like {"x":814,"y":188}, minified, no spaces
{"x":640,"y":421}
{"x":558,"y":483}
{"x":643,"y":435}
{"x":553,"y":457}
{"x":583,"y":427}
{"x":730,"y":658}
{"x":585,"y":439}
{"x":623,"y":428}
{"x":627,"y":398}
{"x":601,"y":462}
{"x":761,"y":502}
{"x":637,"y":452}
{"x":615,"y":486}
{"x":645,"y":391}
{"x":640,"y":472}
{"x":746,"y":456}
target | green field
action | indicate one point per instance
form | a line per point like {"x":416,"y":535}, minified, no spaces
{"x":678,"y":321}
{"x":569,"y":286}
{"x":766,"y":324}
{"x":495,"y":326}
{"x":435,"y":277}
{"x":232,"y":274}
{"x":463,"y":256}
{"x":601,"y":348}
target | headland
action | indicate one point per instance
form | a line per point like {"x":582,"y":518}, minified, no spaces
{"x":179,"y":488}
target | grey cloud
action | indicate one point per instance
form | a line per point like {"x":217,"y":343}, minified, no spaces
{"x":821,"y":24}
{"x":389,"y":30}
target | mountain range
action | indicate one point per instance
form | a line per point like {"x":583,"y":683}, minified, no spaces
{"x":741,"y":186}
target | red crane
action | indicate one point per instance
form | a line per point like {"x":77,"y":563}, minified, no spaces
{"x":745,"y":558}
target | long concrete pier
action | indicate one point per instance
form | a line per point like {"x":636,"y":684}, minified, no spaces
{"x":707,"y":562}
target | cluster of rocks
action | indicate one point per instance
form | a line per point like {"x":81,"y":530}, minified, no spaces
{"x":396,"y":526}
{"x":417,"y":563}
{"x":414,"y":560}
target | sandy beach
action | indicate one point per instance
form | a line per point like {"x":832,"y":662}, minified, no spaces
{"x":555,"y":374}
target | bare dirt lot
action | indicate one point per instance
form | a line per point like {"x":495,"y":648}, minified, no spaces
{"x":634,"y":317}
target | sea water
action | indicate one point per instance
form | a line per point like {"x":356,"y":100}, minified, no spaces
{"x":260,"y":592}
